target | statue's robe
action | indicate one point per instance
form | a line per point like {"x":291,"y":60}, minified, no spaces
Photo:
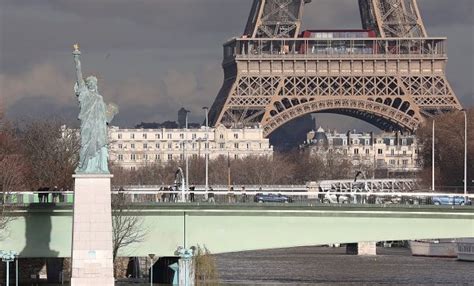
{"x":93,"y":154}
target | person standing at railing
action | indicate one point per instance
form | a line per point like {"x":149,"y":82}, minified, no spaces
{"x":171,"y":194}
{"x":40,"y":195}
{"x":121,"y":195}
{"x":158,"y":195}
{"x":43,"y":194}
{"x":338,"y":195}
{"x":164,"y":195}
{"x":244,"y":195}
{"x":231,"y":195}
{"x":191,"y":194}
{"x":55,"y":193}
{"x":210,"y":196}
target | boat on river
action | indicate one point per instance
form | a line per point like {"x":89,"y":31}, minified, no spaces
{"x":465,"y":248}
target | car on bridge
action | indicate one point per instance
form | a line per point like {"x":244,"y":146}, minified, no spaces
{"x":447,"y":200}
{"x":271,"y":198}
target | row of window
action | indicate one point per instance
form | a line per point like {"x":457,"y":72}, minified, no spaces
{"x":395,"y":162}
{"x":194,"y":146}
{"x":158,"y":157}
{"x":168,"y":136}
{"x":379,"y":151}
{"x":367,"y":142}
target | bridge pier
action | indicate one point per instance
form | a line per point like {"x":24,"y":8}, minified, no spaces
{"x":362,"y":248}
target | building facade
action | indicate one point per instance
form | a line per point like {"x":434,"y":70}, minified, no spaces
{"x":393,"y":152}
{"x":135,"y":148}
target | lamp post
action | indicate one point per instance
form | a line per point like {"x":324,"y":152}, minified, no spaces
{"x":186,"y":155}
{"x":16,"y":270}
{"x":7,"y":257}
{"x":151,"y":255}
{"x":433,"y":158}
{"x":465,"y":154}
{"x":206,"y":151}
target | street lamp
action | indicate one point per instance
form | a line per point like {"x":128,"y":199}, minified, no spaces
{"x":465,"y":154}
{"x":206,"y":151}
{"x":7,"y":257}
{"x":16,"y":270}
{"x":185,"y":155}
{"x":433,"y":158}
{"x":151,"y":255}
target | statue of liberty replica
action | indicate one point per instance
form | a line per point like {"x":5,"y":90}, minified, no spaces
{"x":92,"y":262}
{"x":94,"y":116}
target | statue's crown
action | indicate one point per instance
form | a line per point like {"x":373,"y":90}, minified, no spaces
{"x":91,"y":78}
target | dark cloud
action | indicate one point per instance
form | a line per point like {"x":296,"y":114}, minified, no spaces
{"x":28,"y":108}
{"x":154,"y":56}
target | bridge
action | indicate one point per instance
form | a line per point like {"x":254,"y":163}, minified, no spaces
{"x":45,"y":230}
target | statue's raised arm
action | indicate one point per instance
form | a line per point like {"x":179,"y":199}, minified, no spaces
{"x":79,"y":78}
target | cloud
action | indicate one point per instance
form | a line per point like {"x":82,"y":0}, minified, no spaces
{"x":43,"y":80}
{"x":153,"y":57}
{"x":46,"y":91}
{"x":30,"y":108}
{"x":192,"y":90}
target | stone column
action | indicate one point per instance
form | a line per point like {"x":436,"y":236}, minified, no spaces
{"x":92,"y":262}
{"x":362,"y":248}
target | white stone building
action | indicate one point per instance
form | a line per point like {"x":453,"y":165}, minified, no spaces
{"x":393,"y":152}
{"x":134,"y":148}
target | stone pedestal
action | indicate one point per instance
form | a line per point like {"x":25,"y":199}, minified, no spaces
{"x":92,"y":261}
{"x":186,"y":272}
{"x":362,"y":248}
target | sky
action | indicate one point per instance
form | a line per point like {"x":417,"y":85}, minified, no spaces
{"x":154,"y":56}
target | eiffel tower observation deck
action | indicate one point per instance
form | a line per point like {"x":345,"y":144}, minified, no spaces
{"x":388,"y":73}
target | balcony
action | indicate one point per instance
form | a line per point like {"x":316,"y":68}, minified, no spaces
{"x":310,"y":48}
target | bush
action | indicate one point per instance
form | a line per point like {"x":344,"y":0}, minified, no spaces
{"x":206,"y":269}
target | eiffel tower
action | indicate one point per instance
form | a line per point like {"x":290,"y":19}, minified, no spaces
{"x":389,"y":73}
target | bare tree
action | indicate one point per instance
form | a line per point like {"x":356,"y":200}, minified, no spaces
{"x":11,"y":179}
{"x":297,"y":167}
{"x":127,"y":228}
{"x":206,"y":267}
{"x":449,"y":149}
{"x":11,"y":171}
{"x":51,"y":152}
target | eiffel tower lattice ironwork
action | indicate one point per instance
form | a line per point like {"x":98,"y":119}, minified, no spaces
{"x":391,"y":74}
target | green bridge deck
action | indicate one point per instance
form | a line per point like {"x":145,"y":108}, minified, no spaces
{"x":45,"y":230}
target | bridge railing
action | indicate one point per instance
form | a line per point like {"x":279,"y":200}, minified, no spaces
{"x":374,"y":185}
{"x":246,"y":197}
{"x":242,"y":48}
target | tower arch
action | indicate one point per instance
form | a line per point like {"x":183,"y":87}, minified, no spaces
{"x":378,"y":114}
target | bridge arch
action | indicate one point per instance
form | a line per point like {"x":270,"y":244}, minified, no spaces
{"x":389,"y":115}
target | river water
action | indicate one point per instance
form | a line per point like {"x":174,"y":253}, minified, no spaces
{"x":331,"y":266}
